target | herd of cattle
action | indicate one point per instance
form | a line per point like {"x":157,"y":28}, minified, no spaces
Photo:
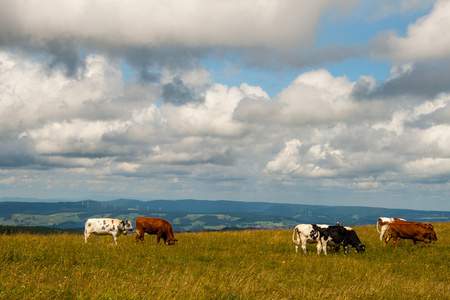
{"x":322,"y":235}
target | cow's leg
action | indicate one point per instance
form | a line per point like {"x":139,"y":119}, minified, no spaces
{"x":86,"y":236}
{"x":140,"y":235}
{"x":383,"y":231}
{"x":297,"y":241}
{"x":158,"y":237}
{"x":324,"y":247}
{"x":386,"y":240}
{"x":115,"y":238}
{"x":96,"y":237}
{"x":346,"y":247}
{"x":394,"y":240}
{"x":319,"y":247}
{"x":303,"y":242}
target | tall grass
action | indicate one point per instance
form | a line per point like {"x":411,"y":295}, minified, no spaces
{"x":220,"y":265}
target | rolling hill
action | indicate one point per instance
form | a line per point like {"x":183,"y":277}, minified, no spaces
{"x":195,"y":215}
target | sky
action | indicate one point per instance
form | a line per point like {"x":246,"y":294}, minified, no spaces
{"x":333,"y":102}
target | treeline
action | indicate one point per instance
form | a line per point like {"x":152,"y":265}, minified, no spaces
{"x":37,"y":230}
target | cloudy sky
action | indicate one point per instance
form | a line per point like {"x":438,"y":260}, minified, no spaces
{"x":333,"y":102}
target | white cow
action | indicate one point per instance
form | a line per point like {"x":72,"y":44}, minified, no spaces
{"x":106,"y":226}
{"x":384,"y":224}
{"x":305,"y":233}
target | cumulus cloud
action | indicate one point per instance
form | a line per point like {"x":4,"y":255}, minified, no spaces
{"x":314,"y":97}
{"x":324,"y":125}
{"x":194,"y":23}
{"x":152,"y":35}
{"x":415,"y":81}
{"x":426,"y":39}
{"x":115,"y":98}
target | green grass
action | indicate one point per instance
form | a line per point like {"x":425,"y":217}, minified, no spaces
{"x":256,"y":264}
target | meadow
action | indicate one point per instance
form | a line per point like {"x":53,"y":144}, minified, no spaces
{"x":248,"y":264}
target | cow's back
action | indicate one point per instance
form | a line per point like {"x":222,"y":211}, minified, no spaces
{"x":425,"y":225}
{"x":151,"y":225}
{"x":407,"y":230}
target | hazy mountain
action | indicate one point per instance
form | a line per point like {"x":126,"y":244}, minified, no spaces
{"x":192,"y":214}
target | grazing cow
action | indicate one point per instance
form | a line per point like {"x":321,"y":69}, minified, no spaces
{"x":105,"y":226}
{"x":305,"y":233}
{"x":162,"y":229}
{"x":384,"y":223}
{"x":336,"y":235}
{"x":412,"y":231}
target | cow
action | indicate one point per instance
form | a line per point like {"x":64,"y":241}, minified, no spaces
{"x":411,"y":231}
{"x":305,"y":233}
{"x":106,"y":226}
{"x":336,"y":235}
{"x":383,"y":223}
{"x":162,"y":229}
{"x":428,"y":226}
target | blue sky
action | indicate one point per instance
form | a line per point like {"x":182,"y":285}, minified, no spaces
{"x":313,"y":102}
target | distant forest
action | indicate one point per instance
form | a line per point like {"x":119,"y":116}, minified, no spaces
{"x":193,"y":215}
{"x":37,"y":230}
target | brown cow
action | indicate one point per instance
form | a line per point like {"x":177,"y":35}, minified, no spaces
{"x":428,"y":226}
{"x":410,"y":230}
{"x":162,"y":229}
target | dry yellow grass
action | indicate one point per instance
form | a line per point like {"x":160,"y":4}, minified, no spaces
{"x":220,"y":265}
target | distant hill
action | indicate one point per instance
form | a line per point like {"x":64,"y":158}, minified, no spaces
{"x":194,"y":215}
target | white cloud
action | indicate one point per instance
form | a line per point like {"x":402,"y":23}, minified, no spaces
{"x":213,"y":116}
{"x":314,"y":97}
{"x":32,"y":96}
{"x":153,"y":23}
{"x":427,"y":39}
{"x":286,"y":161}
{"x":317,"y":161}
{"x":428,"y":168}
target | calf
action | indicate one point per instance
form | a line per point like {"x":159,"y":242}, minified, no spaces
{"x":410,"y":230}
{"x":337,"y":235}
{"x":105,"y":226}
{"x":383,"y":223}
{"x":162,"y":229}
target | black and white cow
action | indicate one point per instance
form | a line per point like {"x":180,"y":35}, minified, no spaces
{"x":105,"y":226}
{"x":339,"y":235}
{"x":306,"y":234}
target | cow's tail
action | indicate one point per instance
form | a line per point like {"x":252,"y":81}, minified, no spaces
{"x":378,"y":224}
{"x":297,"y":242}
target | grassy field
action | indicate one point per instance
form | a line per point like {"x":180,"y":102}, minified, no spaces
{"x":220,"y":265}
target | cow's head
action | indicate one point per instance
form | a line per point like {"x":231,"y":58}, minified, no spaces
{"x":171,"y":241}
{"x":360,"y":248}
{"x":433,"y":236}
{"x":125,"y":226}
